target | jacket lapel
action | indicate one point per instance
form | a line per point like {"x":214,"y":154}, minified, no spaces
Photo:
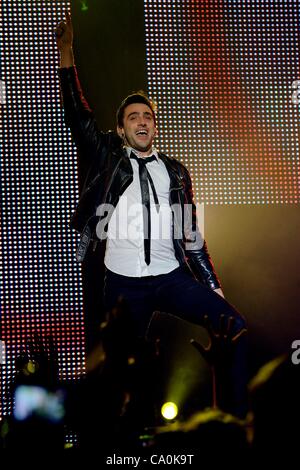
{"x":176,"y":177}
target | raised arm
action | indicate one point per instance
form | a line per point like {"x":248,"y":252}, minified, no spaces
{"x":78,"y":115}
{"x":64,"y":41}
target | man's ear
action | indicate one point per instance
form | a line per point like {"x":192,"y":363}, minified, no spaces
{"x":120,"y":131}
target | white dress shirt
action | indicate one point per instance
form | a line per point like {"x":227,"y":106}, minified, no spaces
{"x":125,"y":243}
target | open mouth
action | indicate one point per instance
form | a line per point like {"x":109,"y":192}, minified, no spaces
{"x":142,"y":133}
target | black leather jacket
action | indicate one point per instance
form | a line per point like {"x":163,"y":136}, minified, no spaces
{"x":110,"y":173}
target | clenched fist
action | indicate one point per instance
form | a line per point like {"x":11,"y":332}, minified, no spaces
{"x":64,"y":41}
{"x":64,"y":33}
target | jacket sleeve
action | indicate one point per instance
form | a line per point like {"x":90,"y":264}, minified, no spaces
{"x":78,"y":116}
{"x":196,"y":251}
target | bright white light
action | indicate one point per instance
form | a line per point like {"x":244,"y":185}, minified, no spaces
{"x":169,"y":410}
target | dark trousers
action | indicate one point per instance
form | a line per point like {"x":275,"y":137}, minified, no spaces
{"x":180,"y":294}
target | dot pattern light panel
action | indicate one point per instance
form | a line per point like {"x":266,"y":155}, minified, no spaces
{"x":41,"y":293}
{"x":222,"y":73}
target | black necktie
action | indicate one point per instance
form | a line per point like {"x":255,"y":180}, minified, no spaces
{"x":144,"y":178}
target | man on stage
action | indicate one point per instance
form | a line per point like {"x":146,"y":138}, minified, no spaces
{"x":140,"y":202}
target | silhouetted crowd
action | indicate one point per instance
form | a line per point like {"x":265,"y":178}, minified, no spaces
{"x":113,"y":408}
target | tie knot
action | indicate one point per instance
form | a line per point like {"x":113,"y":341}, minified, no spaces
{"x":143,"y":160}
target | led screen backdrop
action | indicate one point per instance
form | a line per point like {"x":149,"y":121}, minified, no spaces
{"x":222,"y":73}
{"x":40,"y":279}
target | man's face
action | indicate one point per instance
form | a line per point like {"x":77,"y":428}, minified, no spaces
{"x":138,"y":129}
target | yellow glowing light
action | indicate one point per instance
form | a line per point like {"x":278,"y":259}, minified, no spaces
{"x":169,"y":410}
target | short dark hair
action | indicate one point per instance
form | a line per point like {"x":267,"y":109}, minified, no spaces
{"x":136,"y":97}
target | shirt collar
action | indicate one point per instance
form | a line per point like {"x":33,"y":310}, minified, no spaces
{"x":130,"y":149}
